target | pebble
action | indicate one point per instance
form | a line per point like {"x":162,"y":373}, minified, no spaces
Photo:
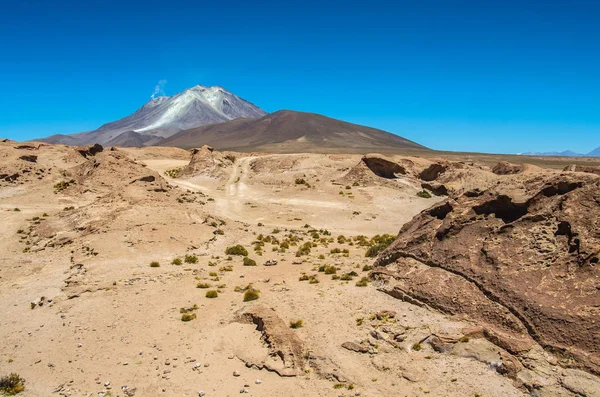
{"x":258,"y":382}
{"x":236,"y":373}
{"x":242,"y":391}
{"x":201,"y":394}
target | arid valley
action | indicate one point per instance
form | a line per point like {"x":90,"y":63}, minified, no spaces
{"x":167,"y":272}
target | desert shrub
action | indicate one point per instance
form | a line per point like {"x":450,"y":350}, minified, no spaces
{"x":185,"y":317}
{"x":304,"y":249}
{"x":275,"y":231}
{"x":304,"y":277}
{"x":190,"y":259}
{"x":16,"y":210}
{"x":173,"y":172}
{"x":321,"y":256}
{"x":346,"y":277}
{"x":236,"y":250}
{"x":330,"y":270}
{"x":464,"y":339}
{"x":378,"y":243}
{"x":230,"y":157}
{"x":300,"y":181}
{"x":176,"y":261}
{"x":11,"y":385}
{"x":260,"y":224}
{"x":363,"y":282}
{"x":296,"y":324}
{"x":424,"y":194}
{"x":203,"y":285}
{"x":367,"y":268}
{"x":249,"y":262}
{"x":417,"y":347}
{"x":251,"y":294}
{"x":335,"y":277}
{"x":227,"y":268}
{"x":335,"y":251}
{"x":154,"y":264}
{"x":60,"y":186}
{"x":212,"y":294}
{"x":68,"y":208}
{"x":213,"y":274}
{"x":313,"y":280}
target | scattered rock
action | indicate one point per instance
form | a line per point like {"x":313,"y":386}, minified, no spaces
{"x":355,"y":347}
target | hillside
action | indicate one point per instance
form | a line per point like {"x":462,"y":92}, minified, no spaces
{"x":288,"y":132}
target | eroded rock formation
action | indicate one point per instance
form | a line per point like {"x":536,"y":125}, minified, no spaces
{"x":522,"y":259}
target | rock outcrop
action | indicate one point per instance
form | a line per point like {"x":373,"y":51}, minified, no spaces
{"x":506,"y":168}
{"x":207,"y":161}
{"x":521,"y":258}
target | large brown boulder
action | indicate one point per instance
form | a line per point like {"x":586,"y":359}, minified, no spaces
{"x":522,"y":259}
{"x":506,"y":168}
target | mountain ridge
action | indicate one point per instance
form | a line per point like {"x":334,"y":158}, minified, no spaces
{"x":287,"y":131}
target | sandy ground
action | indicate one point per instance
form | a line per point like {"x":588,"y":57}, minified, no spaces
{"x":109,"y":320}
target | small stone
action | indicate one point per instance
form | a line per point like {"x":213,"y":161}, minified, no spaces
{"x":236,"y":373}
{"x":258,"y":382}
{"x":201,"y":394}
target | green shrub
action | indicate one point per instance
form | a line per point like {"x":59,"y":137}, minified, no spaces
{"x":304,"y":249}
{"x":424,"y":194}
{"x":203,"y":285}
{"x":335,"y":251}
{"x":60,"y":186}
{"x":190,"y":259}
{"x":296,"y":324}
{"x":185,"y":317}
{"x":378,"y":244}
{"x":251,"y":294}
{"x":363,"y":282}
{"x":236,"y":250}
{"x":346,"y":277}
{"x":11,"y":385}
{"x":154,"y":264}
{"x":249,"y":262}
{"x":176,"y":261}
{"x":212,"y":294}
{"x":173,"y":172}
{"x":330,"y":269}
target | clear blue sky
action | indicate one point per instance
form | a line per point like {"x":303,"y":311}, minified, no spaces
{"x":491,"y":76}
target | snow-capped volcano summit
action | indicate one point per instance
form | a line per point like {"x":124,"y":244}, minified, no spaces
{"x":164,"y":116}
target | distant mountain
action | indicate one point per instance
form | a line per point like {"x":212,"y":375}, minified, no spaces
{"x":164,"y":116}
{"x":291,"y":132}
{"x":566,"y":153}
{"x":594,"y":153}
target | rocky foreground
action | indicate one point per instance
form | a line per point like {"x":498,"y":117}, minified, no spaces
{"x":160,"y":271}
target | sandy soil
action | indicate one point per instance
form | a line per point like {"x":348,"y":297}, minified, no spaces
{"x":109,"y":323}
